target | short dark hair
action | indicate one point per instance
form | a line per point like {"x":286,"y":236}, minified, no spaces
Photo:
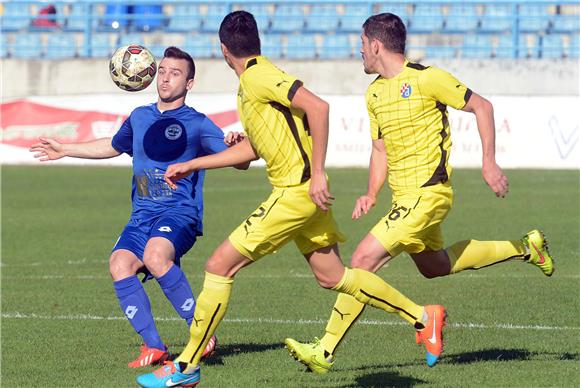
{"x":177,"y":53}
{"x":388,"y":29}
{"x":239,"y":33}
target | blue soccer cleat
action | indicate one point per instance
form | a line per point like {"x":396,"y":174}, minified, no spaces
{"x":170,"y":375}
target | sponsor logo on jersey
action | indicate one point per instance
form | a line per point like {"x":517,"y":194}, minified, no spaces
{"x":406,"y":90}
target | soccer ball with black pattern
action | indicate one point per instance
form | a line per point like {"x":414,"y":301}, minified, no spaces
{"x":132,"y":67}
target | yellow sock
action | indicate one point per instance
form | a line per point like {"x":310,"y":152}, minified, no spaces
{"x":344,"y":314}
{"x":370,"y":289}
{"x":211,"y":308}
{"x":473,"y":254}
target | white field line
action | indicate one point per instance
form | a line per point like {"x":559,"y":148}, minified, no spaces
{"x":272,"y":321}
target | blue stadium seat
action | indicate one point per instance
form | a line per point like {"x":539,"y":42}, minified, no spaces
{"x":214,"y":16}
{"x":354,"y":16}
{"x":102,"y":45}
{"x":401,"y":10}
{"x":148,"y":17}
{"x":476,"y":46}
{"x":132,"y":38}
{"x":302,"y":46}
{"x":574,"y":47}
{"x":16,"y":16}
{"x":186,"y":17}
{"x":322,"y":18}
{"x":497,"y":18}
{"x":61,"y":46}
{"x":533,"y":18}
{"x":553,"y":46}
{"x":201,"y":46}
{"x":27,"y":46}
{"x":505,"y":47}
{"x":288,"y":18}
{"x":271,"y":45}
{"x":115,"y":16}
{"x":566,"y":23}
{"x":261,"y":13}
{"x":336,"y":46}
{"x":462,"y":18}
{"x":441,"y":52}
{"x":77,"y":19}
{"x":3,"y":46}
{"x":426,"y":18}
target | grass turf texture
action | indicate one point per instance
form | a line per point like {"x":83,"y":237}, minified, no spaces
{"x":61,"y":324}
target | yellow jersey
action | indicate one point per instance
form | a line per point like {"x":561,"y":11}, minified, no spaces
{"x":409,"y":112}
{"x":278,"y":132}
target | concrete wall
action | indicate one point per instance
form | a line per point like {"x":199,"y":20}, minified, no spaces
{"x":22,"y":78}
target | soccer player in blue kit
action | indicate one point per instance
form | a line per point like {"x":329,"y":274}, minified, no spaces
{"x":164,"y":223}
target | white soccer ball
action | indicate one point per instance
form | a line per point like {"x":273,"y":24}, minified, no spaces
{"x":132,"y":67}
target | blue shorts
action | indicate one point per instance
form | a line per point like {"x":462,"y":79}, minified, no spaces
{"x":179,"y":230}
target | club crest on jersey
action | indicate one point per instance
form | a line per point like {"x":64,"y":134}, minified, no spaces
{"x":173,"y":132}
{"x":406,"y":90}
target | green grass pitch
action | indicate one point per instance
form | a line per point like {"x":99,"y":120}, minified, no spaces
{"x":61,"y":325}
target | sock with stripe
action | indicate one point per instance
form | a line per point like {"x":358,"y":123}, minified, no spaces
{"x":176,"y":288}
{"x":211,"y":308}
{"x":344,"y":314}
{"x":135,"y":304}
{"x":370,"y":289}
{"x":473,"y":254}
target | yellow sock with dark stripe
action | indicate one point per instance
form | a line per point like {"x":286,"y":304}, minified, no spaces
{"x":344,"y":314}
{"x":370,"y":289}
{"x":211,"y":308}
{"x":473,"y":254}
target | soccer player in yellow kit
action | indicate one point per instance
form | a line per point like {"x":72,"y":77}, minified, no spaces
{"x":287,"y":126}
{"x":407,"y":105}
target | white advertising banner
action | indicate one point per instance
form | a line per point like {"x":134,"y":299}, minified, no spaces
{"x":531,"y":132}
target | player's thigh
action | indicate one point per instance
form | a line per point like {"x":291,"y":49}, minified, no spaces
{"x":370,"y":254}
{"x":226,"y":260}
{"x":274,"y":223}
{"x":180,"y":231}
{"x":127,"y":253}
{"x":319,"y":232}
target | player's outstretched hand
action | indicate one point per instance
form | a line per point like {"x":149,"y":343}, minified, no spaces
{"x":234,"y":138}
{"x":47,"y":149}
{"x":176,"y":172}
{"x":362,"y":206}
{"x":495,"y":179}
{"x":319,"y":192}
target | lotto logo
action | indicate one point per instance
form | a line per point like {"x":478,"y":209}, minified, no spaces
{"x":406,"y":90}
{"x":164,"y":229}
{"x":188,"y":304}
{"x":130,"y":311}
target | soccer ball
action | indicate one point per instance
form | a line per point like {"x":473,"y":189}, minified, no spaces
{"x":132,"y":67}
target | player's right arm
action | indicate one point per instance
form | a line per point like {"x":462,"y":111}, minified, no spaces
{"x":377,"y":177}
{"x":50,"y":149}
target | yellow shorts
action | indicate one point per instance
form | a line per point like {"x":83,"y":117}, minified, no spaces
{"x":414,"y":222}
{"x":287,"y":215}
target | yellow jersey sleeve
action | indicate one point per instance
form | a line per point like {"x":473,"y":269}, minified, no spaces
{"x":274,"y":85}
{"x":445,"y":88}
{"x":374,"y":123}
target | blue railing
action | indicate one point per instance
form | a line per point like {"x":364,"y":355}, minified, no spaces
{"x":324,"y":29}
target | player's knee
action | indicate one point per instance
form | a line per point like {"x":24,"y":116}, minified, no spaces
{"x":156,"y":262}
{"x":362,"y":260}
{"x":121,"y":266}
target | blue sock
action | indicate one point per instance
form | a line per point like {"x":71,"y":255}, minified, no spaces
{"x":176,"y":288}
{"x":135,"y":304}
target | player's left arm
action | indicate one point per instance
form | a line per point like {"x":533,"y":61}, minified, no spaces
{"x":241,"y":153}
{"x":491,"y":171}
{"x":316,"y":110}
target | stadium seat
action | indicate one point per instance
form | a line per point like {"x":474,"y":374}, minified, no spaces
{"x":214,"y":16}
{"x":401,"y":10}
{"x":439,"y":52}
{"x":354,"y":16}
{"x":60,"y":46}
{"x":261,"y":13}
{"x":271,"y":45}
{"x":77,"y":19}
{"x":200,"y":46}
{"x":462,"y":18}
{"x":533,"y":17}
{"x":185,"y":17}
{"x":3,"y":46}
{"x":322,"y":18}
{"x":566,"y":23}
{"x":552,"y":46}
{"x":148,"y":17}
{"x":526,"y":47}
{"x":574,"y":46}
{"x":16,"y":16}
{"x":116,"y":16}
{"x":288,"y":18}
{"x":102,"y":45}
{"x":336,"y":46}
{"x":476,"y":46}
{"x":132,"y":38}
{"x":497,"y":18}
{"x":426,"y":18}
{"x":302,"y":46}
{"x":27,"y":46}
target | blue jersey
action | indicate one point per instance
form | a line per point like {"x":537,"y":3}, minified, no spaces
{"x":155,"y":140}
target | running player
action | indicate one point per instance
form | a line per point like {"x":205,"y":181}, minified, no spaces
{"x":287,"y":126}
{"x":164,"y":223}
{"x":407,"y":105}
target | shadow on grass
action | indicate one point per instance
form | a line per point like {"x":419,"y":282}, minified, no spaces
{"x":506,"y":355}
{"x":386,"y":379}
{"x":232,"y":350}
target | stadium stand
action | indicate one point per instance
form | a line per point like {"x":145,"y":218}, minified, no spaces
{"x":299,"y":30}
